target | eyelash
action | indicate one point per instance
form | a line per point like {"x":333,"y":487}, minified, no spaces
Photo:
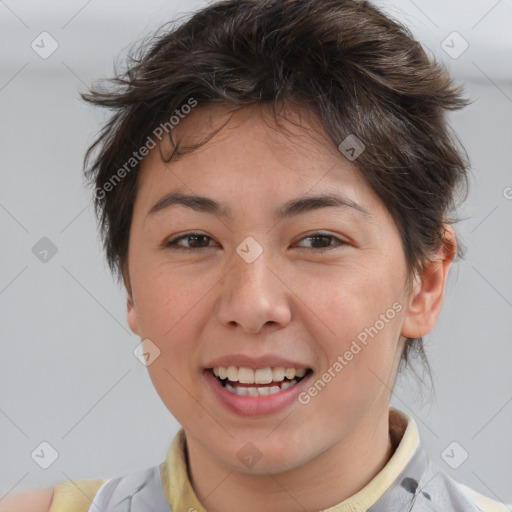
{"x":173,"y":244}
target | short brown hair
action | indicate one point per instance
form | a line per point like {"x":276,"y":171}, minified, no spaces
{"x":360,"y":72}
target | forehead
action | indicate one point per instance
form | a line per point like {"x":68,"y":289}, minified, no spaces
{"x":250,"y":156}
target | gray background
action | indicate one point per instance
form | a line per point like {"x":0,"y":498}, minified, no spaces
{"x":68,"y":373}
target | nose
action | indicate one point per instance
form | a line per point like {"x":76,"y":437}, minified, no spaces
{"x":254,"y":295}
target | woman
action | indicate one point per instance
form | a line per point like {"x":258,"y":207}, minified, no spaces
{"x":274,"y":189}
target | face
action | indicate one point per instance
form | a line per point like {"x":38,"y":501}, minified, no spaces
{"x":229,"y":282}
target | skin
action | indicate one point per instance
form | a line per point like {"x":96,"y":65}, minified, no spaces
{"x":33,"y":500}
{"x":293,"y":300}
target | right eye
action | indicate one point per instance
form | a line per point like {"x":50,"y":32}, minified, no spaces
{"x":197,"y":237}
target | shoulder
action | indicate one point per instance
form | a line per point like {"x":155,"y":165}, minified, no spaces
{"x":67,"y":496}
{"x":75,"y":496}
{"x":31,"y":500}
{"x":447,"y":491}
{"x":484,"y":503}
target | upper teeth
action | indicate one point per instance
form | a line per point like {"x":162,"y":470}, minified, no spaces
{"x":260,"y":376}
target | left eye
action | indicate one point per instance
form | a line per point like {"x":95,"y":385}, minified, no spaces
{"x":323,"y":236}
{"x":198,"y":238}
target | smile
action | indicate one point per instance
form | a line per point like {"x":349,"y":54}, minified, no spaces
{"x":245,"y":381}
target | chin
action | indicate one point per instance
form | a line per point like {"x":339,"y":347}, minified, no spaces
{"x":265,"y":467}
{"x":263,"y":457}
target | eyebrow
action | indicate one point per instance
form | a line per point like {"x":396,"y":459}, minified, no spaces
{"x":289,"y":209}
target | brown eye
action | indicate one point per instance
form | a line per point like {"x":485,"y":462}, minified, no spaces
{"x":323,"y":240}
{"x":198,"y":242}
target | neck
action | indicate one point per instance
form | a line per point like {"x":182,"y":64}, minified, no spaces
{"x":330,"y":478}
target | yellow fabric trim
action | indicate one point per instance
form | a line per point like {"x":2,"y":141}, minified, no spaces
{"x":182,"y":498}
{"x":485,"y":503}
{"x":175,"y":479}
{"x":74,"y":496}
{"x":77,"y":496}
{"x":401,"y":425}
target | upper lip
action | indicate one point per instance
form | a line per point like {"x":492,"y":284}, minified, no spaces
{"x":268,"y":361}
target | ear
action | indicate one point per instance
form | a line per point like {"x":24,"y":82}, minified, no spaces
{"x":426,"y":298}
{"x":131,"y":311}
{"x":132,"y":315}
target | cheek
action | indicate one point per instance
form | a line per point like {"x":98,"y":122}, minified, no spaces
{"x":169,"y":313}
{"x":343,"y":301}
{"x":355,"y":316}
{"x":165,"y":299}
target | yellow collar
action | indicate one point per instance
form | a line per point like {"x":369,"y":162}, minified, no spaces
{"x":403,"y":432}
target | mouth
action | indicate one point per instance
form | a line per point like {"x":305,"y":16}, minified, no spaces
{"x":250,"y":382}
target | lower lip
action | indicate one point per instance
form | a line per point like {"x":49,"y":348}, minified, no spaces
{"x":255,"y":405}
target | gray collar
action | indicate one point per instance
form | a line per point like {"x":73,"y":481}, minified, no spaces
{"x":420,"y":487}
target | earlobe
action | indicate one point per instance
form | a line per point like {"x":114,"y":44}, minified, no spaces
{"x":426,"y":298}
{"x":131,"y":312}
{"x":132,"y":315}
